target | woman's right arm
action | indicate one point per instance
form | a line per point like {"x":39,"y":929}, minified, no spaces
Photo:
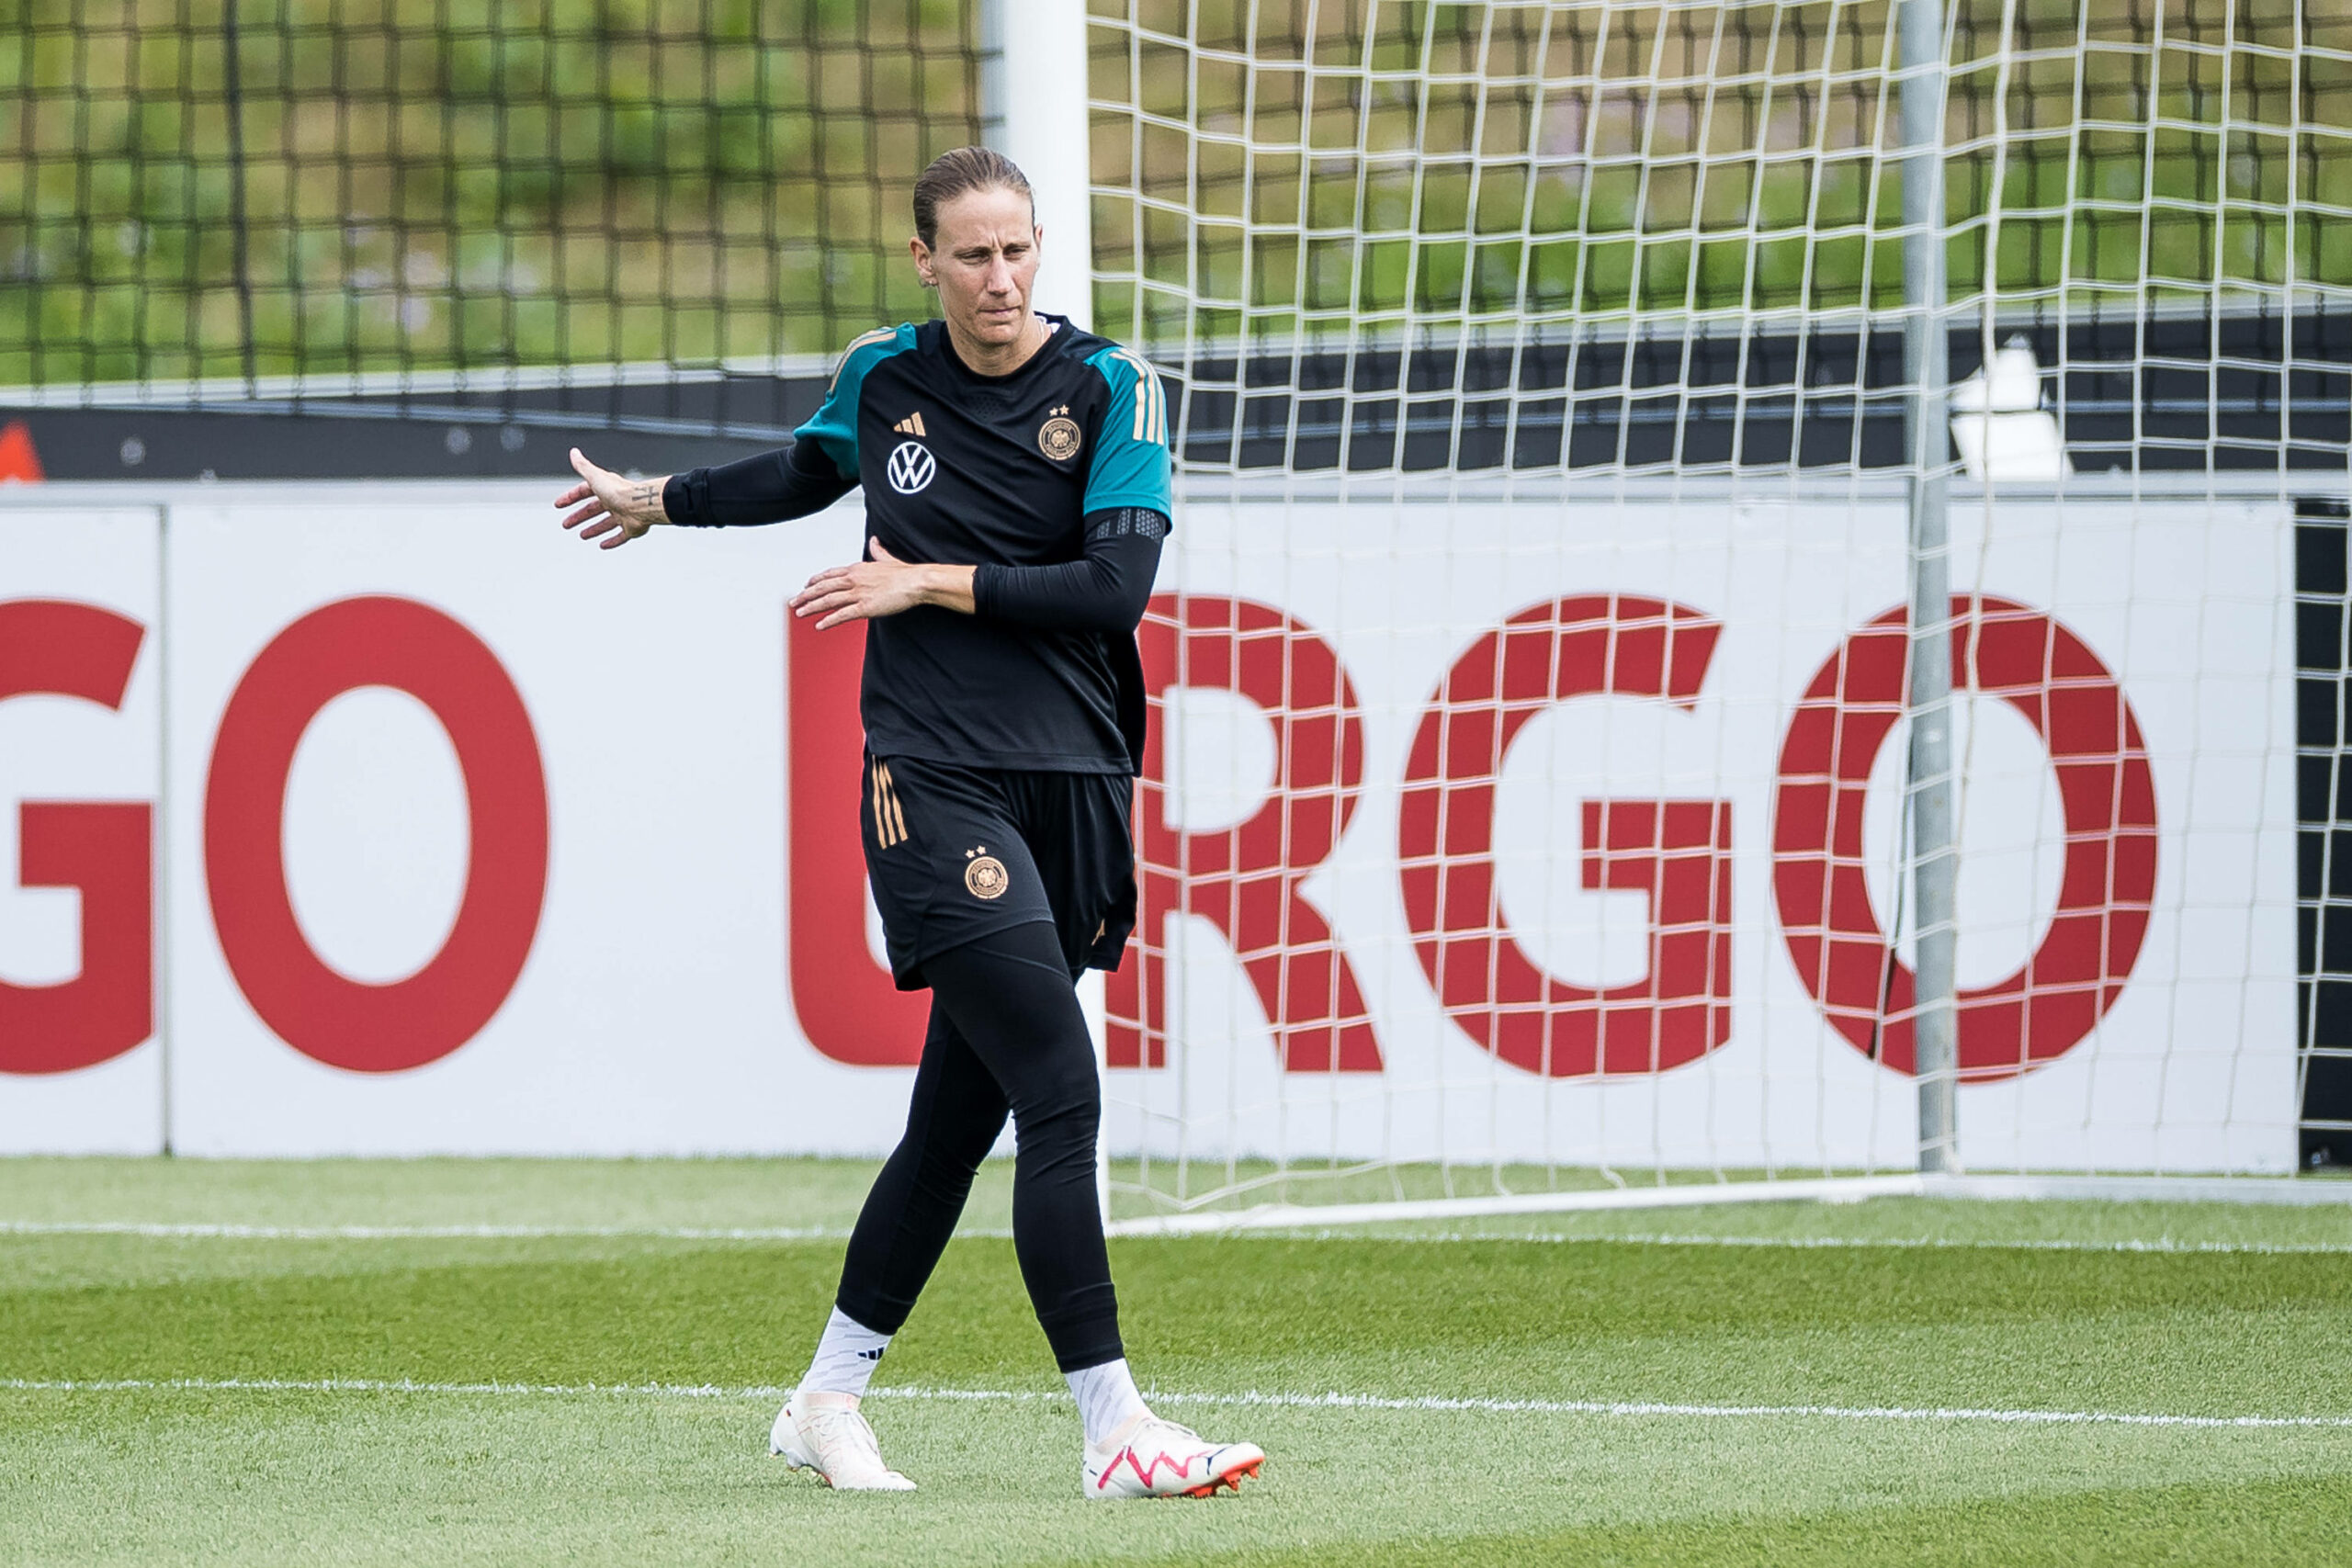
{"x":773,"y":487}
{"x":770,"y":488}
{"x":816,"y":470}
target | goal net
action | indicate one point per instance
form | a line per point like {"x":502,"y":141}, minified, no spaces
{"x":1536,"y":804}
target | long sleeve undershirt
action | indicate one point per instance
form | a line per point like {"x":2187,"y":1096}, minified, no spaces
{"x":773,"y":487}
{"x":1104,"y":590}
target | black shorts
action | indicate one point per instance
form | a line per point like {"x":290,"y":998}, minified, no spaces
{"x":954,"y":853}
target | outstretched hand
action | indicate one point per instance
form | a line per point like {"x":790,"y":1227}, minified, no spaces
{"x":881,"y":585}
{"x":617,"y":509}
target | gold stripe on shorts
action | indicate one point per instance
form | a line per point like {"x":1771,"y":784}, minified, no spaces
{"x":889,"y":819}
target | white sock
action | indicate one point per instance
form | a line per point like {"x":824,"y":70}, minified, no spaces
{"x":846,"y":1357}
{"x":1106,"y":1398}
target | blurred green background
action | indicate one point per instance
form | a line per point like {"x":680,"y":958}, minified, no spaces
{"x":231,"y":188}
{"x":453,"y":183}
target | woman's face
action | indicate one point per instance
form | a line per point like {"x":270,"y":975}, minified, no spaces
{"x":984,"y":265}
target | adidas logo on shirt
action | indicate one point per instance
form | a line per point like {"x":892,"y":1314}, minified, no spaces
{"x":911,"y":425}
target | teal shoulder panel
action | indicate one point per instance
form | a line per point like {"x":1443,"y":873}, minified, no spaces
{"x":1131,"y":464}
{"x":834,"y":424}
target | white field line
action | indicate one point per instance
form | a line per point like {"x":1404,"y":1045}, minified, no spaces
{"x":2280,"y":1191}
{"x":1253,"y":1398}
{"x":221,"y":1232}
{"x":2167,"y":1244}
{"x":168,"y":1230}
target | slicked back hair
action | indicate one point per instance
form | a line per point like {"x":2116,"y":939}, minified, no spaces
{"x":959,"y":173}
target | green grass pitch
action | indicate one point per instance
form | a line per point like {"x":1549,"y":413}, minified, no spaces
{"x":1778,"y":1384}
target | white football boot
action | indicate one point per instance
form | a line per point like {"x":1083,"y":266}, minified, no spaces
{"x":823,"y":1432}
{"x":1151,"y":1458}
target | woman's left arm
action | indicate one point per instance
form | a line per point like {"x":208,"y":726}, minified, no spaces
{"x":1104,"y":589}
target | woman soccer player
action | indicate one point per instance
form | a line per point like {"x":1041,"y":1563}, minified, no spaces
{"x":1016,"y":473}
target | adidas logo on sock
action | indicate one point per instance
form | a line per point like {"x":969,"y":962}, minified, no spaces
{"x":869,"y":1355}
{"x":911,"y":425}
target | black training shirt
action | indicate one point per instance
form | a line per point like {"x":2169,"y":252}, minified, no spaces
{"x":1063,"y":465}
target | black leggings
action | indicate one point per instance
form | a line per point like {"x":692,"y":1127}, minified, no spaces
{"x":1006,"y":1034}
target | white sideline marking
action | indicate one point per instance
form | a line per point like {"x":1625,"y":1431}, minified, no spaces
{"x":376,"y":1385}
{"x":2282,"y":1189}
{"x":1253,"y":1398}
{"x":424,"y":1232}
{"x":1292,"y":1216}
{"x":194,"y":1231}
{"x":1804,"y":1243}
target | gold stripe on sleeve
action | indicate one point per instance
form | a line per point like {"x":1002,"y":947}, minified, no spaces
{"x":876,"y":335}
{"x":1150,"y":396}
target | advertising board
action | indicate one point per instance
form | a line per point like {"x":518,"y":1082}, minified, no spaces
{"x":1524,"y":830}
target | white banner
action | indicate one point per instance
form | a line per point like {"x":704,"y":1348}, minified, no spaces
{"x":1626,"y":826}
{"x":632,"y":968}
{"x":1575,"y":840}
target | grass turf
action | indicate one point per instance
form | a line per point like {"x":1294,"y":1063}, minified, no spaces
{"x":1560,"y":1315}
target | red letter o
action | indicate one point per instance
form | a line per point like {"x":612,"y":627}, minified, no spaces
{"x":321,"y":1013}
{"x":2074,"y":703}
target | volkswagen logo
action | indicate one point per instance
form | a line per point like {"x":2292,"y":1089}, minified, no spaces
{"x":912,"y":467}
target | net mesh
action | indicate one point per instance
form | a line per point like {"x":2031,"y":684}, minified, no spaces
{"x":195,"y":191}
{"x":1528,"y":807}
{"x":1699,"y":202}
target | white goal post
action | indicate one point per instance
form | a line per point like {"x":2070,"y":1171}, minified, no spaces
{"x":1701,"y":650}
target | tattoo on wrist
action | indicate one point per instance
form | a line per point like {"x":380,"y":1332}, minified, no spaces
{"x":646,"y":498}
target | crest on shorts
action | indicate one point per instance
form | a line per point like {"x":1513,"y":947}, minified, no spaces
{"x":984,"y":875}
{"x":1059,"y":438}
